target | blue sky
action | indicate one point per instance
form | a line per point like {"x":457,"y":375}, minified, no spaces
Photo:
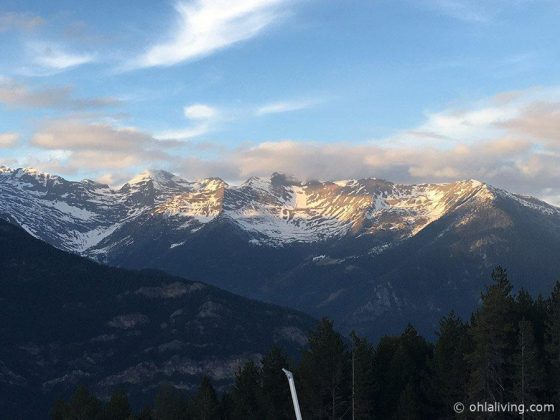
{"x":409,"y":90}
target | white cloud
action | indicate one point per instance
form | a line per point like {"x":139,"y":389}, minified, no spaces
{"x":199,"y":112}
{"x":8,"y":140}
{"x":202,"y":115}
{"x":56,"y":58}
{"x":206,"y":26}
{"x":475,"y":122}
{"x":285,"y":106}
{"x":184,"y":133}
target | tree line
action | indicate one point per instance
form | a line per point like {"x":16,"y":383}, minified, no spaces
{"x":509,"y":350}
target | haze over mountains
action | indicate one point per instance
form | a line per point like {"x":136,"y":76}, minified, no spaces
{"x":369,"y":253}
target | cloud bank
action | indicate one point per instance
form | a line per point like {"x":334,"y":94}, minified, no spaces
{"x":74,"y":145}
{"x":511,"y":140}
{"x":8,"y":140}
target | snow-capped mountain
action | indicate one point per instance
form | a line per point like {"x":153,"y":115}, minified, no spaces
{"x":361,"y":251}
{"x":91,"y":219}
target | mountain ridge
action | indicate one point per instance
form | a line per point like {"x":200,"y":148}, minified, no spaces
{"x":275,"y":210}
{"x":371,"y":254}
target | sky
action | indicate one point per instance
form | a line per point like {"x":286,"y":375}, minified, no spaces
{"x":410,"y":91}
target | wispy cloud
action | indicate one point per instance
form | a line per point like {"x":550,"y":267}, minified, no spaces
{"x":183,"y":133}
{"x":465,"y":10}
{"x":19,"y":21}
{"x":16,"y":94}
{"x":8,"y":140}
{"x":285,"y":106}
{"x":202,"y":116}
{"x":55,"y":58}
{"x":474,"y":11}
{"x":206,"y":26}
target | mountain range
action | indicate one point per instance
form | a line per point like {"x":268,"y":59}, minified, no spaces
{"x":369,"y":253}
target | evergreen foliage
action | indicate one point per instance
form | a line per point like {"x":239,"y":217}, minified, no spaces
{"x":276,"y":394}
{"x":493,"y":336}
{"x":450,"y":376}
{"x":117,"y":408}
{"x":325,"y":373}
{"x":553,"y":341}
{"x":509,"y":351}
{"x":363,"y":377}
{"x":529,"y":374}
{"x":205,"y":404}
{"x":247,"y":393}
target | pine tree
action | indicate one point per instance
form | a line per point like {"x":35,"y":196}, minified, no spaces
{"x":363,"y":377}
{"x":247,"y":393}
{"x":524,"y":305}
{"x":409,"y":405}
{"x":409,"y":367}
{"x":450,"y":375}
{"x":205,"y":404}
{"x":386,"y":395}
{"x":276,"y":393}
{"x":117,"y":408}
{"x":553,"y":342}
{"x":325,"y":374}
{"x":493,"y":337}
{"x":145,"y":414}
{"x":83,"y":405}
{"x":59,"y":410}
{"x":529,"y":383}
{"x":170,"y":404}
{"x":227,"y":407}
{"x":534,"y":311}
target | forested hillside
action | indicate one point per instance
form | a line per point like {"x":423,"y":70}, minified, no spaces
{"x":509,"y":351}
{"x":66,"y":320}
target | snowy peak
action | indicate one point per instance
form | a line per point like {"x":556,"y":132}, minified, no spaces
{"x":159,"y":177}
{"x":280,"y":209}
{"x":203,"y":200}
{"x":274,"y":211}
{"x":30,"y":177}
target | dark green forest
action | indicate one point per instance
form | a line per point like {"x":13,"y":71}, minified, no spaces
{"x":508,"y":351}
